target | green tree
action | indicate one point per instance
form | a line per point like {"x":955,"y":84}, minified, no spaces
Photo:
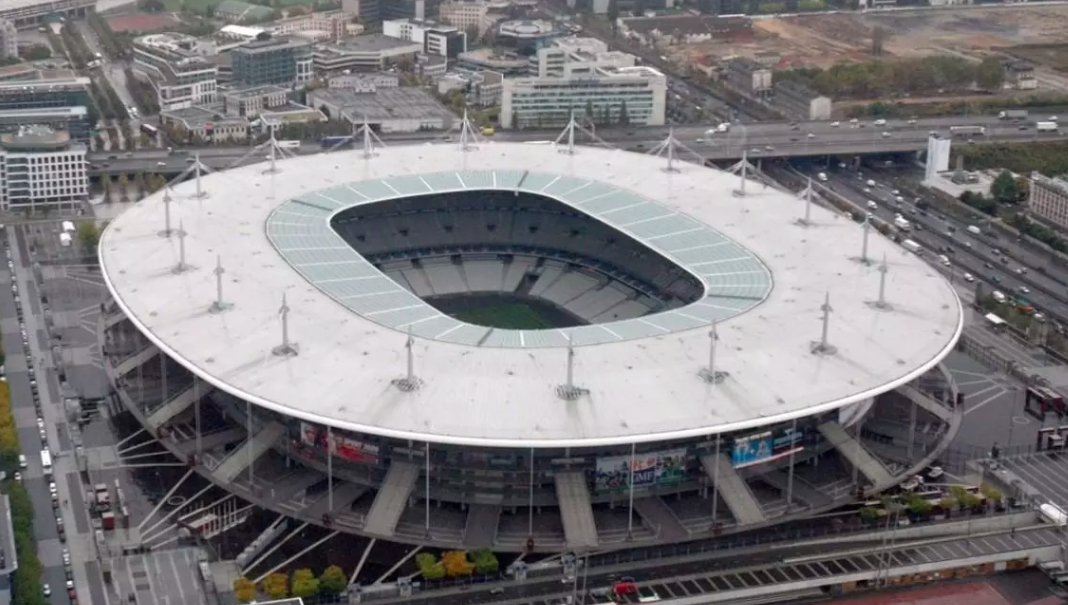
{"x":305,"y":584}
{"x":124,"y":185}
{"x":332,"y":581}
{"x":990,"y":74}
{"x":624,"y":117}
{"x":244,"y":590}
{"x":613,"y":16}
{"x":89,"y":236}
{"x":37,"y":52}
{"x":869,"y":514}
{"x":276,"y":586}
{"x":1004,"y":189}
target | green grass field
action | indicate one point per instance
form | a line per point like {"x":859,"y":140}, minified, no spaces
{"x":505,"y":315}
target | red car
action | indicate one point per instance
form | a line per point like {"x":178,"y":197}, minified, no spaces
{"x":624,"y":588}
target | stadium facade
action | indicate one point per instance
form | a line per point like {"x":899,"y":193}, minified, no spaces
{"x":708,"y":361}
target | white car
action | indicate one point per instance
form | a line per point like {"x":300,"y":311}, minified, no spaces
{"x":47,"y":590}
{"x":161,"y":164}
{"x":811,"y":135}
{"x":872,"y":205}
{"x":886,"y":135}
{"x":1053,"y":118}
{"x":835,"y":124}
{"x":968,"y":277}
{"x":52,"y":487}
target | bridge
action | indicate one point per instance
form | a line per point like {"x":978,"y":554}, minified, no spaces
{"x":769,"y":139}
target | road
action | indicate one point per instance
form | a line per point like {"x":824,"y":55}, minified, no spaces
{"x":970,"y":254}
{"x":758,"y":140}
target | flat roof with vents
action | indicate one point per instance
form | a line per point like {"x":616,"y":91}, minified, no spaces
{"x":765,"y":280}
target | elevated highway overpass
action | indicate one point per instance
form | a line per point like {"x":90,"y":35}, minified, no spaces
{"x":775,"y":139}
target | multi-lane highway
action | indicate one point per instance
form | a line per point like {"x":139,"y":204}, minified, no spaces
{"x":1010,"y":269}
{"x":756,"y":140}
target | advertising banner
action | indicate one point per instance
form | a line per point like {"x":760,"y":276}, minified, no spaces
{"x":654,"y":468}
{"x":765,"y":447}
{"x":343,"y":447}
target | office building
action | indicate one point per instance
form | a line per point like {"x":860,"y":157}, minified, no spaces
{"x":370,"y":52}
{"x":436,"y":39}
{"x":279,"y":61}
{"x":508,"y":63}
{"x":482,"y":88}
{"x":574,"y":57}
{"x":9,"y":40}
{"x":74,"y":120}
{"x":249,"y":102}
{"x":799,"y":102}
{"x":209,"y":124}
{"x":632,"y":95}
{"x":364,"y":82}
{"x":41,"y":167}
{"x":467,"y":15}
{"x":748,"y":77}
{"x":389,"y":10}
{"x":178,"y":68}
{"x":1048,"y":200}
{"x":62,"y":91}
{"x":525,"y":35}
{"x":28,"y":13}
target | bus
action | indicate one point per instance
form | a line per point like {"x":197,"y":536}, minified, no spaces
{"x":960,"y":131}
{"x":46,"y":462}
{"x":149,"y":129}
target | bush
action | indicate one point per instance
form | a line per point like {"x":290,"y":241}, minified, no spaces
{"x":244,"y":590}
{"x":276,"y":586}
{"x":485,"y":561}
{"x":26,"y":581}
{"x":305,"y":584}
{"x":429,"y":566}
{"x":9,"y":436}
{"x":456,"y":563}
{"x":333,"y":581}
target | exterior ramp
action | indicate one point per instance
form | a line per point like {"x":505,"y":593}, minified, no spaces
{"x":131,"y":363}
{"x":481,"y":528}
{"x":178,"y":404}
{"x":660,"y":519}
{"x":391,"y":498}
{"x":573,"y":496}
{"x":854,"y":452}
{"x":253,"y":447}
{"x":733,"y":489}
{"x":926,"y":402}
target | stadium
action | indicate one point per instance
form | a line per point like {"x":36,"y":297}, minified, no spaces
{"x":525,"y":347}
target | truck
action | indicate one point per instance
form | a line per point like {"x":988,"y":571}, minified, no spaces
{"x":101,"y":497}
{"x":46,"y":462}
{"x":1046,"y":126}
{"x":68,"y":226}
{"x":1053,"y":514}
{"x":912,"y":247}
{"x":1013,"y":114}
{"x":974,"y":230}
{"x":902,"y":223}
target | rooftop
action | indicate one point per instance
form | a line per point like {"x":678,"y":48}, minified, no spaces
{"x":272,"y":44}
{"x":254,"y":91}
{"x":368,"y":43}
{"x":502,"y":391}
{"x":689,"y":25}
{"x":383,"y":104}
{"x":196,"y":117}
{"x":35,"y":138}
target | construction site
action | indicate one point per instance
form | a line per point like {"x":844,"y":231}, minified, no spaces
{"x":1035,"y":34}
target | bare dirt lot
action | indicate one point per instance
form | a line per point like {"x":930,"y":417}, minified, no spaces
{"x":141,"y":22}
{"x":822,"y":40}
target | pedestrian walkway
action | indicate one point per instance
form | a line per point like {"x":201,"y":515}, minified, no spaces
{"x":744,"y":506}
{"x":580,"y":529}
{"x":391,"y":498}
{"x":854,"y":452}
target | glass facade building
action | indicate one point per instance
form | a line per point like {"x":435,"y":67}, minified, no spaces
{"x":275,"y":61}
{"x":550,"y":102}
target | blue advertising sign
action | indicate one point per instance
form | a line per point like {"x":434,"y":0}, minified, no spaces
{"x":752,"y":449}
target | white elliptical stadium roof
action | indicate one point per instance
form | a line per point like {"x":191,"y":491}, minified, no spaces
{"x":642,"y":386}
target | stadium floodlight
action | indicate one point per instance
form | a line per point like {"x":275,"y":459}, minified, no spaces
{"x":410,"y":382}
{"x":710,"y":374}
{"x":568,"y":391}
{"x":864,"y":243}
{"x":883,"y":270}
{"x":743,"y":169}
{"x":807,"y":220}
{"x":181,"y":266}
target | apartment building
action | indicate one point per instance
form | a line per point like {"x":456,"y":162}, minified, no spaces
{"x":9,"y":40}
{"x":436,"y":39}
{"x":41,"y":167}
{"x":177,"y":67}
{"x":1048,"y":200}
{"x":279,"y":61}
{"x":63,"y":91}
{"x":635,"y":95}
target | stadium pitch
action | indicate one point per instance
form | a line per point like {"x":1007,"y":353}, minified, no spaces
{"x":504,"y":312}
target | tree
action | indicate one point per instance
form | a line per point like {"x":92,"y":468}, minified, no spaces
{"x":305,"y":584}
{"x":624,"y":117}
{"x":276,"y":586}
{"x":244,"y":589}
{"x":1004,"y":188}
{"x":878,"y":41}
{"x":124,"y":183}
{"x":590,"y":115}
{"x":456,"y":563}
{"x":613,"y":16}
{"x":990,"y":75}
{"x":473,"y":34}
{"x":333,"y":581}
{"x":37,"y":52}
{"x":1023,"y":188}
{"x":89,"y":236}
{"x":105,"y":184}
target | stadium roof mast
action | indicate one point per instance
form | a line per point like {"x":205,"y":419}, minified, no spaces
{"x":710,"y":374}
{"x":410,"y":382}
{"x":167,"y":201}
{"x":670,"y":148}
{"x":468,"y":135}
{"x":287,"y":348}
{"x":569,"y":131}
{"x":569,"y":391}
{"x":824,"y":347}
{"x":219,"y":305}
{"x":807,"y":192}
{"x":370,"y":140}
{"x":181,"y":266}
{"x":864,"y":260}
{"x":882,"y":304}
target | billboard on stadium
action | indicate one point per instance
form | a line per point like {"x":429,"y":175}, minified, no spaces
{"x":653,"y":468}
{"x":346,"y":448}
{"x":764,"y":447}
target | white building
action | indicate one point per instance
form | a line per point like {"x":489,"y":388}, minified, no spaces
{"x":938,"y":152}
{"x":40,"y":167}
{"x":571,"y":57}
{"x":465,"y":15}
{"x":436,"y":39}
{"x":9,"y":40}
{"x":177,"y":67}
{"x":549,"y":102}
